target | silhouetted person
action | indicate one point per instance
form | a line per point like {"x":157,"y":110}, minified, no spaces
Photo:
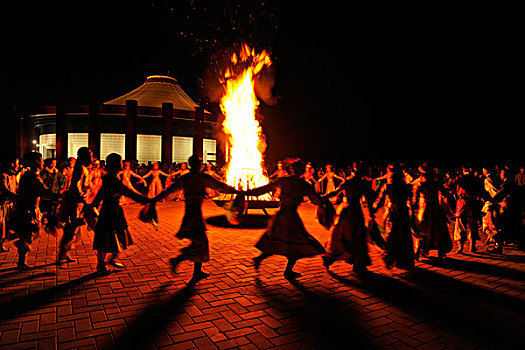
{"x":194,"y":185}
{"x":26,"y":217}
{"x":75,"y":198}
{"x":349,"y":234}
{"x":286,"y":234}
{"x":111,"y":232}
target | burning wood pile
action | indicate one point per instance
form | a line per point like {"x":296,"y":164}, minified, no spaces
{"x":246,"y":141}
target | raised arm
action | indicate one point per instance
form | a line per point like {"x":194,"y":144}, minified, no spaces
{"x":259,"y":191}
{"x":219,"y":186}
{"x":314,"y":197}
{"x":127,"y":192}
{"x":176,"y":186}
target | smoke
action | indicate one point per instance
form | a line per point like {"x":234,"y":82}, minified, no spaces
{"x":264,"y":84}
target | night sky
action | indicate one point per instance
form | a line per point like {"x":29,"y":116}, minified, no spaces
{"x":350,"y":83}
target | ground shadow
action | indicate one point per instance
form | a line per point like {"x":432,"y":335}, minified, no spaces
{"x":477,"y":267}
{"x":41,"y":298}
{"x":151,"y":322}
{"x":483,"y":317}
{"x":326,"y":323}
{"x":26,"y":278}
{"x":14,"y":269}
{"x":492,"y":256}
{"x":249,"y":221}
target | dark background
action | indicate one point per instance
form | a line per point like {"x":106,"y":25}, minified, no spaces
{"x":351,"y":82}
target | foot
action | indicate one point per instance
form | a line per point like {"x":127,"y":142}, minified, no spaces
{"x":115,"y":264}
{"x":291,"y":275}
{"x":199,"y":276}
{"x":459,"y":250}
{"x":257,"y":262}
{"x":64,"y":257}
{"x":102,"y":270}
{"x":359,"y":269}
{"x":174,"y":263}
{"x":22,"y":266}
{"x":69,"y":259}
{"x":496,"y":250}
{"x":327,"y":261}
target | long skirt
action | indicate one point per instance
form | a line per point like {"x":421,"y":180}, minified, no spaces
{"x":399,"y":247}
{"x":431,"y":222}
{"x":111,"y":232}
{"x":286,"y":235}
{"x":194,"y":229}
{"x":349,"y":236}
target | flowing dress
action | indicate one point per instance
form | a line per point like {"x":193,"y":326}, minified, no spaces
{"x":286,"y":234}
{"x":431,"y":221}
{"x":399,"y":246}
{"x":194,"y":186}
{"x":111,"y":232}
{"x":349,"y":234}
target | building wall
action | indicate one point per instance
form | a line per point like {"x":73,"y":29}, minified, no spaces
{"x":148,"y":146}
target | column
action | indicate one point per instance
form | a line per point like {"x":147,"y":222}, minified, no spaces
{"x":198,"y":132}
{"x":131,"y":130}
{"x":61,"y":133}
{"x":167,"y":132}
{"x":94,"y":129}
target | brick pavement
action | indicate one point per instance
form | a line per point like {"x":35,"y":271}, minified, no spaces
{"x":467,"y":301}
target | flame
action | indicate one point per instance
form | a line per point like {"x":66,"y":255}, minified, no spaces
{"x":239,"y":105}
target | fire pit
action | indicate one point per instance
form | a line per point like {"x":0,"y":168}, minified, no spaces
{"x":246,"y":141}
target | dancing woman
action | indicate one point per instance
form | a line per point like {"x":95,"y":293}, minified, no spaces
{"x":285,"y":234}
{"x":349,"y":234}
{"x":26,"y":219}
{"x":430,"y":221}
{"x":111,"y":232}
{"x":8,"y":189}
{"x":329,"y":176}
{"x":155,"y":187}
{"x":74,"y":201}
{"x":399,"y":247}
{"x":194,"y":185}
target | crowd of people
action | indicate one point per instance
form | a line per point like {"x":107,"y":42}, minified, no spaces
{"x":405,"y":211}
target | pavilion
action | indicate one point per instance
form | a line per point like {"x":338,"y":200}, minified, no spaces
{"x":157,"y":121}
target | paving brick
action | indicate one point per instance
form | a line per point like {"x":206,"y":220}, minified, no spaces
{"x":239,"y":308}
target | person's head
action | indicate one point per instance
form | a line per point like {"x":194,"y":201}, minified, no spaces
{"x":209,"y":166}
{"x":127,"y":165}
{"x":298,"y":167}
{"x":184,"y":165}
{"x":279,"y":165}
{"x":195,"y":163}
{"x":113,"y":163}
{"x":84,"y":156}
{"x":328,"y":168}
{"x":522,"y":170}
{"x":12,"y":164}
{"x":71,"y":162}
{"x":34,"y":161}
{"x":155,"y":165}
